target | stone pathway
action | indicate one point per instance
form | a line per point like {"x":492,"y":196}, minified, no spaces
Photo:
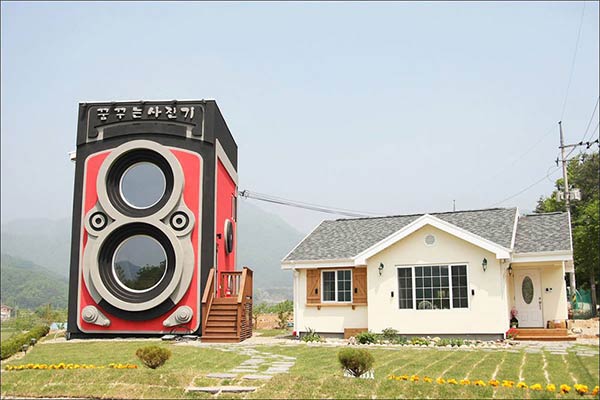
{"x":559,"y":348}
{"x":261,"y":366}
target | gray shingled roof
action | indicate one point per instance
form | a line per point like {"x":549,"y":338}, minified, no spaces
{"x":345,"y":238}
{"x":543,"y":232}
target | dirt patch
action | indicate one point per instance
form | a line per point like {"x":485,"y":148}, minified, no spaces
{"x":585,"y":328}
{"x":269,"y":321}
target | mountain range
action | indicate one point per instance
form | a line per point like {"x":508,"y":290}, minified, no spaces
{"x":39,"y":248}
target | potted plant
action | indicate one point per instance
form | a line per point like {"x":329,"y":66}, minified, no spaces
{"x":514,"y":322}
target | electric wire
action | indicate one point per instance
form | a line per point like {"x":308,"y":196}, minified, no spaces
{"x":525,"y":189}
{"x":307,"y":206}
{"x":562,"y":114}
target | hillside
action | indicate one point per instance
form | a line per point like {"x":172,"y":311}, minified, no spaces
{"x":28,"y":285}
{"x":263,"y":240}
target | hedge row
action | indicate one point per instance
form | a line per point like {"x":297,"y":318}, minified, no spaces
{"x":13,"y":344}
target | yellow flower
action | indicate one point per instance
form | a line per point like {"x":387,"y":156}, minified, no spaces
{"x":414,"y":378}
{"x":440,"y":380}
{"x":522,"y":385}
{"x":452,"y":381}
{"x":479,"y":383}
{"x":494,"y":383}
{"x":508,"y":384}
{"x":403,"y":377}
{"x":565,"y":388}
{"x":391,"y":377}
{"x":595,"y":391}
{"x":536,"y":386}
{"x":465,"y":382}
{"x":551,"y":387}
{"x":427,"y":379}
{"x":581,"y":389}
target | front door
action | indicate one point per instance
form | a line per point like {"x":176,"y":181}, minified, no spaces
{"x":528,"y":299}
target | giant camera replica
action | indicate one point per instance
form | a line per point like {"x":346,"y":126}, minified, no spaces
{"x":154,"y":211}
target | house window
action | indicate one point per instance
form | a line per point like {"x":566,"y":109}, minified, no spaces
{"x":460,"y":298}
{"x":433,"y":287}
{"x":337,"y":286}
{"x":405,"y":297}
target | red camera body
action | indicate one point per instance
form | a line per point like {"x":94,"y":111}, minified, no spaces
{"x":154,"y":210}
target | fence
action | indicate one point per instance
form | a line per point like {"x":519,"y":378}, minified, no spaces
{"x":581,"y":304}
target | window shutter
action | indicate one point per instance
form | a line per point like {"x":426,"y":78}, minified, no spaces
{"x":359,"y":280}
{"x":313,"y":286}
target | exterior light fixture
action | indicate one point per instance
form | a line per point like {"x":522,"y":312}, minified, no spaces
{"x":380,"y":269}
{"x":509,"y":269}
{"x":484,"y":264}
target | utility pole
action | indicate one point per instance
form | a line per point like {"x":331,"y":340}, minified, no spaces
{"x":567,"y":196}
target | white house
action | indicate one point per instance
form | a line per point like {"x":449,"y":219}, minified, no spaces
{"x":445,"y":274}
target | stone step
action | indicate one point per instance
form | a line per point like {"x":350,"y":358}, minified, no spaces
{"x":542,"y":332}
{"x":220,"y":389}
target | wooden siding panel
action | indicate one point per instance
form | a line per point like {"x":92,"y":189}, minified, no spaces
{"x":313,"y":286}
{"x":359,"y":279}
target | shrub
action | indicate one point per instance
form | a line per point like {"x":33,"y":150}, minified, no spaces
{"x":443,"y":342}
{"x":400,"y":340}
{"x":419,"y":341}
{"x":366,"y":338}
{"x":457,"y":342}
{"x":389,"y":334}
{"x":153,"y":356}
{"x":311,"y":336}
{"x":355,"y":361}
{"x":13,"y":344}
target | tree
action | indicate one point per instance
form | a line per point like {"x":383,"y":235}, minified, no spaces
{"x":258,"y":309}
{"x":583,"y":174}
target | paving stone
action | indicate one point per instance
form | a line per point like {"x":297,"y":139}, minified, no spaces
{"x":282,"y":364}
{"x":257,"y":377}
{"x":559,"y":352}
{"x":219,"y":375}
{"x":237,"y":389}
{"x":244,"y":370}
{"x":586,"y":354}
{"x":205,"y":389}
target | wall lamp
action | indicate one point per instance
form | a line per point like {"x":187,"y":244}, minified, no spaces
{"x":484,"y":264}
{"x":509,"y":269}
{"x":380,"y":269}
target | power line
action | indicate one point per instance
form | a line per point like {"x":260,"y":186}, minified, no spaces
{"x":591,"y":119}
{"x":527,"y":188}
{"x":307,"y":206}
{"x":562,"y":114}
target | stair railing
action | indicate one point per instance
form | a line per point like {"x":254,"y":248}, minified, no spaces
{"x":244,"y":301}
{"x":207,"y":299}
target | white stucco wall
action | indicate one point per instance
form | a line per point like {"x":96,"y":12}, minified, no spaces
{"x":487,"y":312}
{"x":328,"y":319}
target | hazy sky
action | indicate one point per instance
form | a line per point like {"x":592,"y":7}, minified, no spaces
{"x":385,"y":107}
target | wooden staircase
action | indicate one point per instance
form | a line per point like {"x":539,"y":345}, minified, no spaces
{"x":541,"y":334}
{"x":227,"y":310}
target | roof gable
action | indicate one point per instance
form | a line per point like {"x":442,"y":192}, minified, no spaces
{"x":344,"y":239}
{"x":538,"y":233}
{"x":501,"y":252}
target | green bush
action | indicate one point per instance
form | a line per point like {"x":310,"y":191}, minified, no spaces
{"x":443,"y":342}
{"x":355,"y":361}
{"x":311,"y":336}
{"x":399,"y":340}
{"x":457,"y":342}
{"x":419,"y":341}
{"x":153,"y":356}
{"x":366,"y":338}
{"x":389,"y":334}
{"x":13,"y":344}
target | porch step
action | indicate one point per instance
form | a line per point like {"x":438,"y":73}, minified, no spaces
{"x":542,"y":332}
{"x":556,"y":338}
{"x":208,"y":338}
{"x":221,"y":324}
{"x":224,"y":318}
{"x":219,"y":330}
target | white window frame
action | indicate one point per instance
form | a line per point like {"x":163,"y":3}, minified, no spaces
{"x":336,"y":286}
{"x":414,"y":289}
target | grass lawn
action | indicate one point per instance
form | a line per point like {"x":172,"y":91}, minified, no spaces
{"x":273,"y":332}
{"x":316,"y":373}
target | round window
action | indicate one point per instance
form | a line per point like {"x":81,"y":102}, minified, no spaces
{"x":140,"y":263}
{"x":142,"y":185}
{"x":527,"y":290}
{"x":430,"y":240}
